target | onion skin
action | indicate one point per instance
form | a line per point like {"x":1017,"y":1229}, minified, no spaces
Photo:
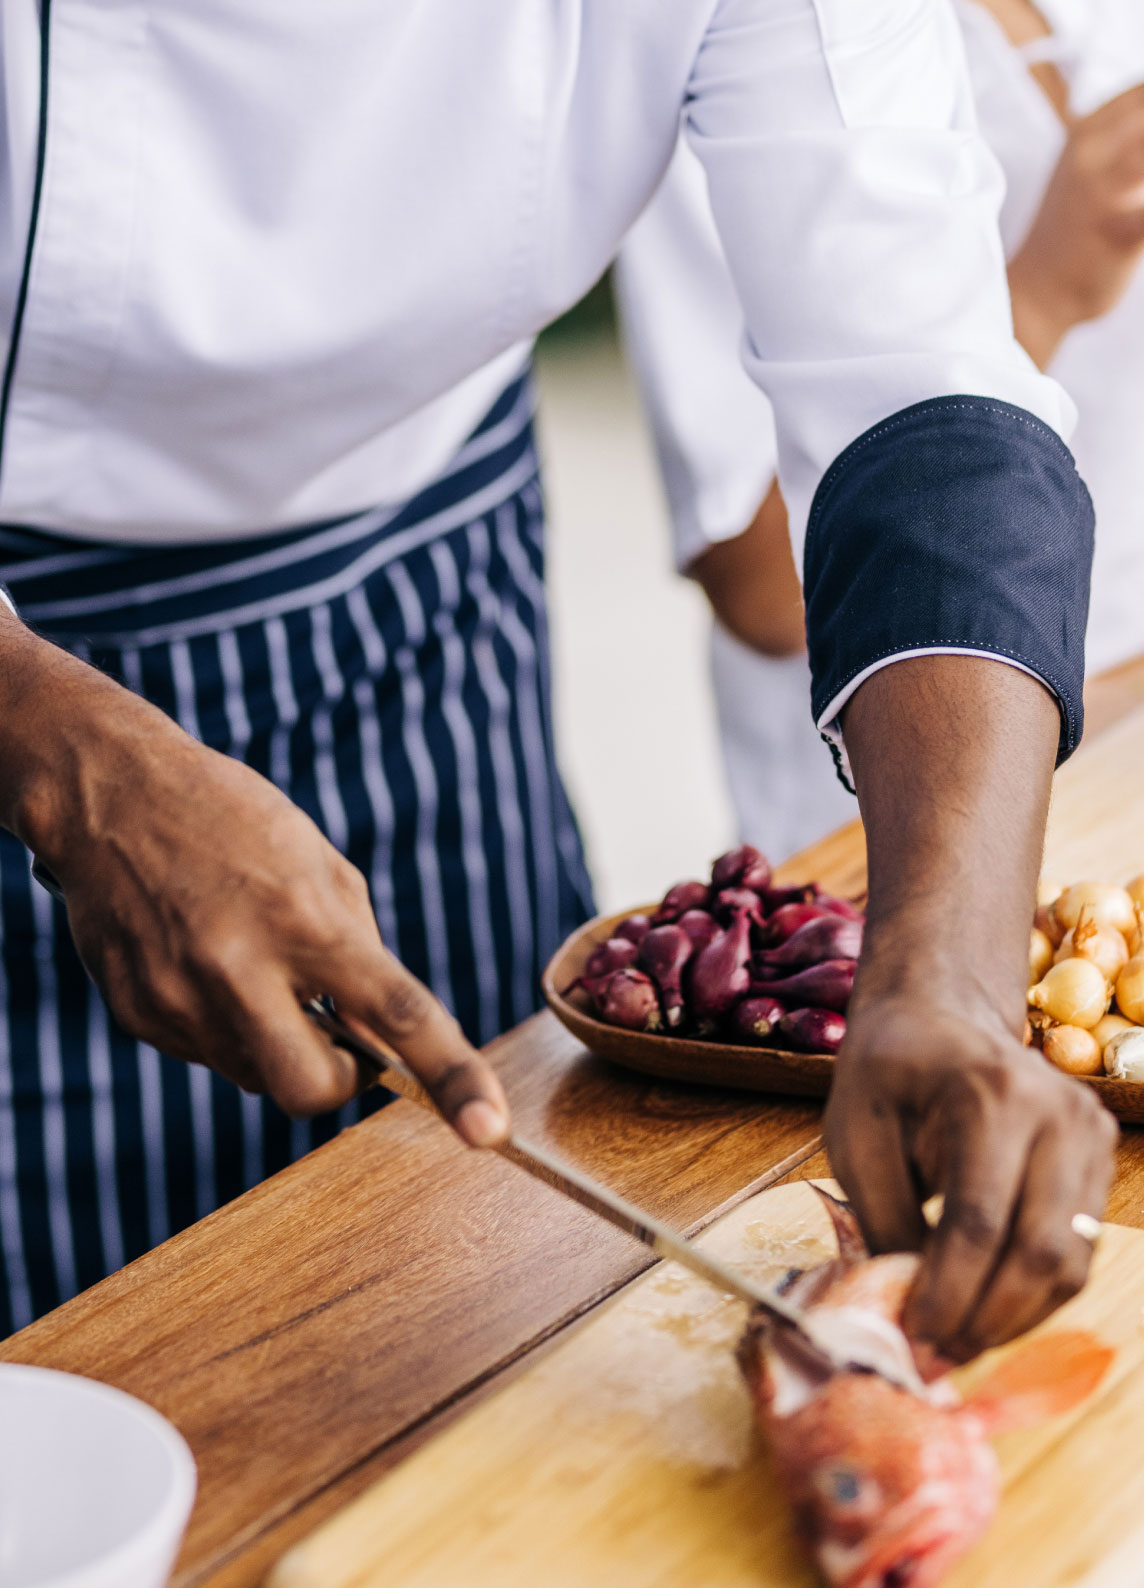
{"x":1124,"y":1056}
{"x":789,"y":917}
{"x":684,"y":896}
{"x":814,"y":1030}
{"x":753,"y":1020}
{"x":829,"y":937}
{"x":700,"y":927}
{"x":1072,"y":1049}
{"x":1105,"y":905}
{"x":720,"y":975}
{"x":744,"y":867}
{"x":1103,"y":945}
{"x":1109,"y":1026}
{"x":663,"y":954}
{"x":824,"y":986}
{"x":730,"y":900}
{"x":1040,"y":955}
{"x":616,"y":954}
{"x":635,"y":928}
{"x":628,"y":998}
{"x":1130,"y":990}
{"x":1074,"y":993}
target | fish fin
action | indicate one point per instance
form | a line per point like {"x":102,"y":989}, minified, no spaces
{"x":851,"y":1246}
{"x":1041,"y":1379}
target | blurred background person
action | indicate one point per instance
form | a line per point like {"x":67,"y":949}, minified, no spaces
{"x":1060,"y":96}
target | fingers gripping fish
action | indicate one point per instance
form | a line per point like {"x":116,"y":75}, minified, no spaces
{"x":890,"y":1488}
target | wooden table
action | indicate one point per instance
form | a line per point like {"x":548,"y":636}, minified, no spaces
{"x":312,"y":1333}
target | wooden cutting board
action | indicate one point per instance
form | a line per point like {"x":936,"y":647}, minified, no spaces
{"x":626,"y":1455}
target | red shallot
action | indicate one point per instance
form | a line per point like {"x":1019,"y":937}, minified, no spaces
{"x":789,"y":917}
{"x":721,"y":974}
{"x":744,"y":867}
{"x":823,"y":986}
{"x":753,"y":1019}
{"x":629,"y":999}
{"x":616,"y":954}
{"x":684,"y":896}
{"x":814,"y":1030}
{"x":663,"y":954}
{"x":830,"y":937}
{"x":635,"y":928}
{"x":841,"y":907}
{"x":700,"y":927}
{"x":729,"y":900}
{"x":775,"y":898}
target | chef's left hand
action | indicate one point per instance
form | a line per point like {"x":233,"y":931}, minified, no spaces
{"x":929,"y":1099}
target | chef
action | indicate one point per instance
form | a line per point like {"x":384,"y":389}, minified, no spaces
{"x":274,"y":696}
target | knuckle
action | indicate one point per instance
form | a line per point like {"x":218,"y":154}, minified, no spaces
{"x":979,"y":1224}
{"x":1045,"y":1256}
{"x":404,"y":1007}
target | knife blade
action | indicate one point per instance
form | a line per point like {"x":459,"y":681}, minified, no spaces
{"x":662,"y":1239}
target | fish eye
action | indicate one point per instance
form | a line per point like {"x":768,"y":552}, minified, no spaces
{"x":843,"y":1486}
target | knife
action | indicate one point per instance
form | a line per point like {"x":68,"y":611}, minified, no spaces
{"x":665,"y":1241}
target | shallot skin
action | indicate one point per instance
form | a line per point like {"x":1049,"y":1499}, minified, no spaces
{"x":663,"y":954}
{"x":635,"y":928}
{"x":700,"y":927}
{"x":775,"y":898}
{"x":789,"y":917}
{"x":629,"y":999}
{"x":814,"y":1030}
{"x":728,"y":900}
{"x":616,"y":954}
{"x":754,"y":1019}
{"x":829,"y":937}
{"x":824,"y":986}
{"x":721,"y":974}
{"x":744,"y":867}
{"x":684,"y":896}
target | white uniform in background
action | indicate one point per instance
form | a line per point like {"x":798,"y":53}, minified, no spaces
{"x":715,"y":434}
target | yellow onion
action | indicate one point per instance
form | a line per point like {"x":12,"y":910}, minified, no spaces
{"x":1135,"y":889}
{"x":1073,"y":993}
{"x":1073,"y":1049}
{"x":1124,"y":1056}
{"x":1107,"y":906}
{"x":1040,"y":955}
{"x":1045,"y":921}
{"x":1130,"y":990}
{"x":1103,"y":945}
{"x":1109,"y":1026}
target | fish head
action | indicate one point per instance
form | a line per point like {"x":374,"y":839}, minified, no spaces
{"x":888,"y":1489}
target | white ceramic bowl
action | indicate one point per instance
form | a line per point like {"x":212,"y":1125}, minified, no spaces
{"x":95,"y":1487}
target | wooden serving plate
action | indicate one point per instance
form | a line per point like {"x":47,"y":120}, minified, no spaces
{"x":674,"y":1058}
{"x":724,"y":1063}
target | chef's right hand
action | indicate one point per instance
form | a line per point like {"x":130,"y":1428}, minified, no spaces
{"x":205,"y":905}
{"x":1086,"y":241}
{"x":926,"y":1100}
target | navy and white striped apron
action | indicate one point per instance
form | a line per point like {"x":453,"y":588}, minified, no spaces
{"x":390,"y":673}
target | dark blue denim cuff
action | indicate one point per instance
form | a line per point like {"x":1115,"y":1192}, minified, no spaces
{"x":960,"y":523}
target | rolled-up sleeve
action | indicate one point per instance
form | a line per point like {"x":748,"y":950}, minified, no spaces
{"x":932,"y":499}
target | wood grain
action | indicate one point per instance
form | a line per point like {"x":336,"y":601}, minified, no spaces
{"x":299,"y":1333}
{"x":656,"y":1478}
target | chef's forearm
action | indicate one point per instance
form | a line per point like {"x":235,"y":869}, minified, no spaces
{"x":952,"y":758}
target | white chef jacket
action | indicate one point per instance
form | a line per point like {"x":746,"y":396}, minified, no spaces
{"x":285,"y":255}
